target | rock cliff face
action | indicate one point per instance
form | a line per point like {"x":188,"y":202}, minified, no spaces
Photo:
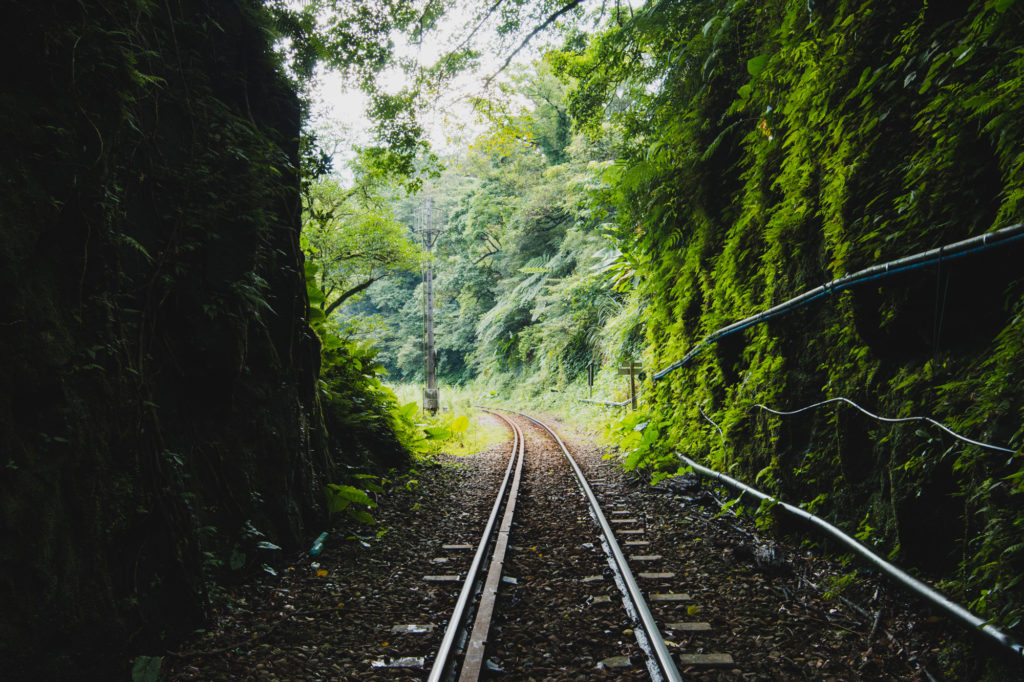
{"x":790,"y":144}
{"x":158,"y":416}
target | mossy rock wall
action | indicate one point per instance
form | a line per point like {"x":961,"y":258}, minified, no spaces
{"x":158,"y":408}
{"x":787,"y":144}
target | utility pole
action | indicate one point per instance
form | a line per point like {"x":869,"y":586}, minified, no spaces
{"x":428,"y":233}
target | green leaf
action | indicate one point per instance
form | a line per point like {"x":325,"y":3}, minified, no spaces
{"x":1002,"y":5}
{"x":361,"y":515}
{"x":407,"y":412}
{"x":460,"y":424}
{"x":336,"y":503}
{"x":237,"y":559}
{"x":146,"y":668}
{"x":330,"y":341}
{"x":437,"y":433}
{"x":316,"y":296}
{"x":756,"y":65}
{"x":352,"y":494}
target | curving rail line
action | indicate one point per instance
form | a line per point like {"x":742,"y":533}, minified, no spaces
{"x":660,"y":663}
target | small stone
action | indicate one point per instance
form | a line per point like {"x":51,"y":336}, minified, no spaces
{"x":404,"y":662}
{"x":412,"y":628}
{"x":688,"y":627}
{"x":614,"y":663}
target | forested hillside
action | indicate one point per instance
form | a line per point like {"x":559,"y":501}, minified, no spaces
{"x":521,"y":288}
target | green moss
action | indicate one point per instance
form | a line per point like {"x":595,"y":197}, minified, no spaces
{"x":159,"y":373}
{"x":869,"y":131}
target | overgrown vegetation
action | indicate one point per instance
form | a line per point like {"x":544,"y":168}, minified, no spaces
{"x":770,"y":147}
{"x":737,"y":154}
{"x":192,"y":380}
{"x":158,"y":420}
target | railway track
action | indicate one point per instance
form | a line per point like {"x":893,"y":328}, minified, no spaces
{"x":380,"y":608}
{"x":552,"y":547}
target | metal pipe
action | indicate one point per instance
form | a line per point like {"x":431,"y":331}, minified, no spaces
{"x":913,"y":584}
{"x":948,"y":252}
{"x":604,"y":402}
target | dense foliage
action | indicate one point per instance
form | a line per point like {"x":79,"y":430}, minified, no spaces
{"x":158,"y":419}
{"x":737,"y":154}
{"x":770,"y":147}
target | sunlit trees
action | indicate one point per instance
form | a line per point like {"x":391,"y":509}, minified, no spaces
{"x":353,"y":238}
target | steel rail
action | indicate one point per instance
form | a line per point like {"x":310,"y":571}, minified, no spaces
{"x":632,"y":594}
{"x":473,"y":661}
{"x":444,"y":658}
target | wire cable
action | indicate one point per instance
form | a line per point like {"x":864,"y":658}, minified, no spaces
{"x":920,"y":588}
{"x":889,"y":420}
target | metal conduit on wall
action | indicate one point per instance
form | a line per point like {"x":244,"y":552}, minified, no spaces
{"x":948,"y":252}
{"x":959,"y":613}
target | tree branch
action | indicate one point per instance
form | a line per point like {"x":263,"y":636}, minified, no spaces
{"x":486,"y":255}
{"x":349,"y":294}
{"x":547,"y":22}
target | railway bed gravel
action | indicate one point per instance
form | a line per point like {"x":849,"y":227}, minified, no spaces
{"x":332,"y":617}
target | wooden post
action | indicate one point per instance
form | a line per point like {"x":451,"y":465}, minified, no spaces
{"x":632,"y":384}
{"x":632,"y":369}
{"x":590,"y":380}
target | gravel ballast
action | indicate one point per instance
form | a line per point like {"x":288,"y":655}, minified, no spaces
{"x":757,"y":604}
